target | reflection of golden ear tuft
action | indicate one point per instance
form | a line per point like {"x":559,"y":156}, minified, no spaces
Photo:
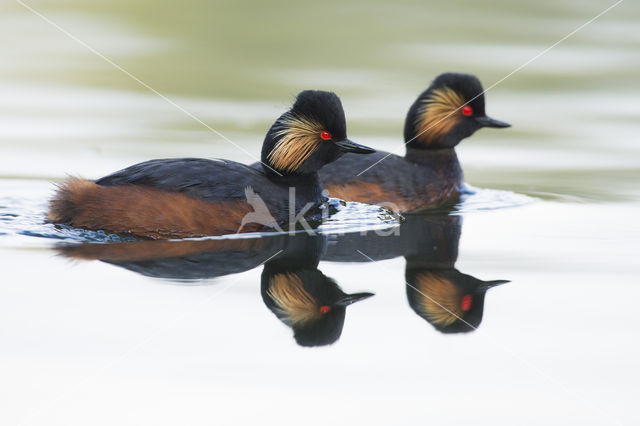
{"x":438,"y":299}
{"x":299,"y":138}
{"x":294,"y":303}
{"x":436,"y":116}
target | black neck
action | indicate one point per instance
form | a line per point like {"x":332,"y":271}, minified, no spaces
{"x":295,"y":180}
{"x":308,"y":187}
{"x":440,"y":165}
{"x":431,"y":156}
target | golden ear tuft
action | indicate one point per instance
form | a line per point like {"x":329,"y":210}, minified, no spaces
{"x":438,"y":299}
{"x":437,"y":116}
{"x":296,"y":306}
{"x":299,"y":138}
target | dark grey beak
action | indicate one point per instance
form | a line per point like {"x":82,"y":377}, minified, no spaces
{"x":490,"y":284}
{"x":347,"y":145}
{"x":490,"y":122}
{"x":348,"y":299}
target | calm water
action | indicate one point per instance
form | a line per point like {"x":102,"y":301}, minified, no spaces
{"x":189,"y":333}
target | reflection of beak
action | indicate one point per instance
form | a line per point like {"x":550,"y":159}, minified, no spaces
{"x":490,"y":284}
{"x":490,"y":122}
{"x":348,"y":299}
{"x":347,"y":145}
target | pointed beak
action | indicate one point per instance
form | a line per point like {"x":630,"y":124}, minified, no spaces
{"x":348,"y":299}
{"x":490,"y":284}
{"x":490,"y":122}
{"x":347,"y":145}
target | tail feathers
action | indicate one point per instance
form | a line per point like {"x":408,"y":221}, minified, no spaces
{"x":64,"y":205}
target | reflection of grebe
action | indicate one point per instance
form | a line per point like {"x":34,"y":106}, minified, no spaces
{"x":302,"y":297}
{"x":186,"y":260}
{"x":309,"y":302}
{"x":292,"y":287}
{"x":449,"y":300}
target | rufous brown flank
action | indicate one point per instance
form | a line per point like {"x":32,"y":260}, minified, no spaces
{"x":373,"y":193}
{"x":143,"y":211}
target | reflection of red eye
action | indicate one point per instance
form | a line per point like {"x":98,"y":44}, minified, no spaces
{"x":466,"y":302}
{"x":325,"y":309}
{"x":325,"y":135}
{"x":467,"y":110}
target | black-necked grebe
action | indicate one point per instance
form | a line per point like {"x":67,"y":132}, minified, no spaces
{"x":190,"y":197}
{"x":429,"y":174}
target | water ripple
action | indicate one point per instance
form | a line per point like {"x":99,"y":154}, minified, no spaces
{"x":481,"y":199}
{"x":23,"y":206}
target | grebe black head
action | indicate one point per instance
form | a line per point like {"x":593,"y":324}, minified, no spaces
{"x":451,"y":109}
{"x":308,"y":136}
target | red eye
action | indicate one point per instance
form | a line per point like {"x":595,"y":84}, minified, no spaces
{"x":467,"y":110}
{"x":325,"y":135}
{"x":466,"y":302}
{"x":325,"y":309}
